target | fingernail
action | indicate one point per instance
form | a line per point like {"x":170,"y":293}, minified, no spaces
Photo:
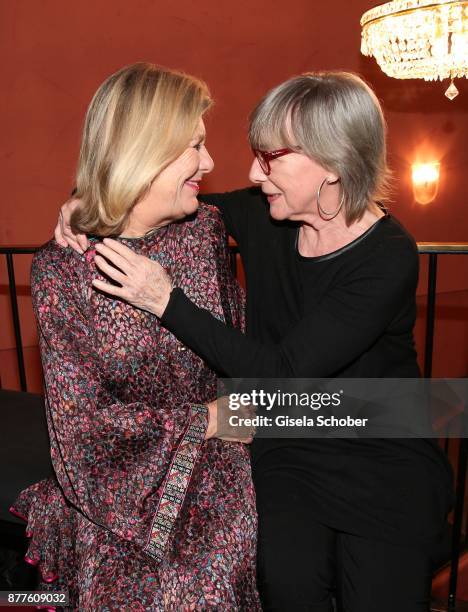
{"x":31,"y":561}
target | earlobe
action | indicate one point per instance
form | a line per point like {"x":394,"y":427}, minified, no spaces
{"x":331,"y":180}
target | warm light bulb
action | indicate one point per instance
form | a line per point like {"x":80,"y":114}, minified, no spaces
{"x":424,"y":173}
{"x":425,"y":181}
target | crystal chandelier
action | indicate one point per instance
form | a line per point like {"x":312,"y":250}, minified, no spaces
{"x":419,"y":39}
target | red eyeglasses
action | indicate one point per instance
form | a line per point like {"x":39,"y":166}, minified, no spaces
{"x":265,"y":157}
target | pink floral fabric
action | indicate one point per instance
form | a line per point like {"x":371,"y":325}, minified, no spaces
{"x":143,"y":514}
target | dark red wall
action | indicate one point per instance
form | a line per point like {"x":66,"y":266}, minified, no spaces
{"x":54,"y":54}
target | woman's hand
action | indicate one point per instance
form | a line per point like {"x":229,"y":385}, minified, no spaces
{"x":220,"y":425}
{"x":143,"y":282}
{"x":63,"y":232}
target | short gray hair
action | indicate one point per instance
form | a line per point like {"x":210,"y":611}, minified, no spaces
{"x":336,"y":119}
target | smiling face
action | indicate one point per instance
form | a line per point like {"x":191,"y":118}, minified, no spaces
{"x":173,"y":193}
{"x":292,"y":185}
{"x":177,"y":186}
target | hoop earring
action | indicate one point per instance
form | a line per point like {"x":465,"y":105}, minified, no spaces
{"x":328,"y":216}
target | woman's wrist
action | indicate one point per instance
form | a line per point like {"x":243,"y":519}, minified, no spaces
{"x":211,"y":429}
{"x":164,"y":301}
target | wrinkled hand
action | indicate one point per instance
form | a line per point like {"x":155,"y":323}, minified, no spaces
{"x":143,"y":282}
{"x":221,"y":426}
{"x":63,"y":232}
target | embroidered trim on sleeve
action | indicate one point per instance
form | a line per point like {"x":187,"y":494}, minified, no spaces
{"x":176,"y":483}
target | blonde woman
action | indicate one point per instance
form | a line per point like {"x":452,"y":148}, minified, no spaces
{"x":149,"y":509}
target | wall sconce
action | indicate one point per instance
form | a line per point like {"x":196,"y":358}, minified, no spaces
{"x":425,"y":181}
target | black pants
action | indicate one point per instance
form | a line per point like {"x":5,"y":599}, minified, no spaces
{"x":302,"y":564}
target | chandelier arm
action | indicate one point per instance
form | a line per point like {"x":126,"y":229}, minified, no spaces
{"x":407,"y":11}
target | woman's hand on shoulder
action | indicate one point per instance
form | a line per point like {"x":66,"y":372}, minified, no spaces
{"x":63,"y":232}
{"x":143,"y":282}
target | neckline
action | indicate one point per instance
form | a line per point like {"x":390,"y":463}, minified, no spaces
{"x":150,"y":234}
{"x":146,"y":236}
{"x":340,"y":251}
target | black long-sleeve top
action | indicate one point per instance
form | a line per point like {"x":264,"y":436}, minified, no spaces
{"x":346,"y":314}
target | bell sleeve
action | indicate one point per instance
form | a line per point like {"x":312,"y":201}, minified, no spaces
{"x":125,"y":466}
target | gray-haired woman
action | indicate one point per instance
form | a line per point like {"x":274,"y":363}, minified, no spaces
{"x":331,"y":281}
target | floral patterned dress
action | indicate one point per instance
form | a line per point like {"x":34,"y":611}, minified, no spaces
{"x":143,"y":514}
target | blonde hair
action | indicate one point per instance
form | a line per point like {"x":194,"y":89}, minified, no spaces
{"x":335,"y":119}
{"x":139,"y":120}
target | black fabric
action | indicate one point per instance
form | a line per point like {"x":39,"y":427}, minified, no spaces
{"x":302,"y":563}
{"x":24,"y":446}
{"x":351,"y":315}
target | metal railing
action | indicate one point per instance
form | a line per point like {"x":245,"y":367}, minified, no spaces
{"x":9,"y":252}
{"x":433,"y":250}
